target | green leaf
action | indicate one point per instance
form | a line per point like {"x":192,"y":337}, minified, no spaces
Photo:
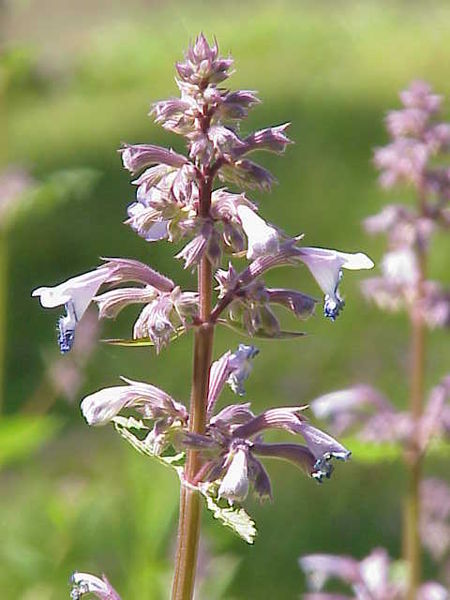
{"x":20,"y":436}
{"x":130,"y":423}
{"x":176,"y":461}
{"x":281,"y":335}
{"x":234,"y":517}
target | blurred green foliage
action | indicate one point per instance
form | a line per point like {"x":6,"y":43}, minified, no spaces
{"x":84,"y":500}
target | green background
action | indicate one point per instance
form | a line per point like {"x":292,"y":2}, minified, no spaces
{"x":78,"y":81}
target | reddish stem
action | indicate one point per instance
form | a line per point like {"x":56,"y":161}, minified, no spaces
{"x":190,"y":501}
{"x":414,"y":454}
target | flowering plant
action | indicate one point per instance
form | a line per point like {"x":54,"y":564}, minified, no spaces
{"x":415,"y":156}
{"x":217,"y":455}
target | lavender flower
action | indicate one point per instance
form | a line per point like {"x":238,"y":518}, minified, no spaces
{"x":75,"y":294}
{"x":85,"y":583}
{"x":100,"y":408}
{"x":136,"y":158}
{"x":167,"y":307}
{"x":233,"y":442}
{"x":435,"y":517}
{"x":326,"y":267}
{"x":160,"y":319}
{"x":232,"y":368}
{"x":262,"y":238}
{"x":369,"y":579}
{"x":240,"y":367}
{"x":353,"y":407}
{"x":365,"y":411}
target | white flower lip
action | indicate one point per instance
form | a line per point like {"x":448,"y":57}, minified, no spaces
{"x":75,"y":294}
{"x":262,"y":238}
{"x":85,"y":583}
{"x":100,"y":407}
{"x":79,"y":290}
{"x":325,"y":266}
{"x":235,"y":484}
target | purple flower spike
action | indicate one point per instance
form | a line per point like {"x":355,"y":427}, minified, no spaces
{"x":203,"y":65}
{"x":85,"y":583}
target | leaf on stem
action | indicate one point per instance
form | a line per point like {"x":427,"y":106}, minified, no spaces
{"x":233,"y":517}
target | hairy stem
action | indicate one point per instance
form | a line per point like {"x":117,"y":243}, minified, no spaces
{"x":190,"y":501}
{"x":414,"y":456}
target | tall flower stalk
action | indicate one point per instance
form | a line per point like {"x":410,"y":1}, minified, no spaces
{"x":415,"y":156}
{"x":418,"y":140}
{"x":216,"y":454}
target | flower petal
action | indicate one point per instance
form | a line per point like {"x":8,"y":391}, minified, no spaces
{"x":85,"y":583}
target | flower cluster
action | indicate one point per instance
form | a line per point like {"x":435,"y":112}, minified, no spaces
{"x":168,"y":206}
{"x":166,"y":306}
{"x":372,"y":578}
{"x":232,"y":443}
{"x":365,"y":411}
{"x":435,"y":520}
{"x":416,"y":155}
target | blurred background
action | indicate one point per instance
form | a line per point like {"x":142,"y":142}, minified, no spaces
{"x":76,"y":80}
